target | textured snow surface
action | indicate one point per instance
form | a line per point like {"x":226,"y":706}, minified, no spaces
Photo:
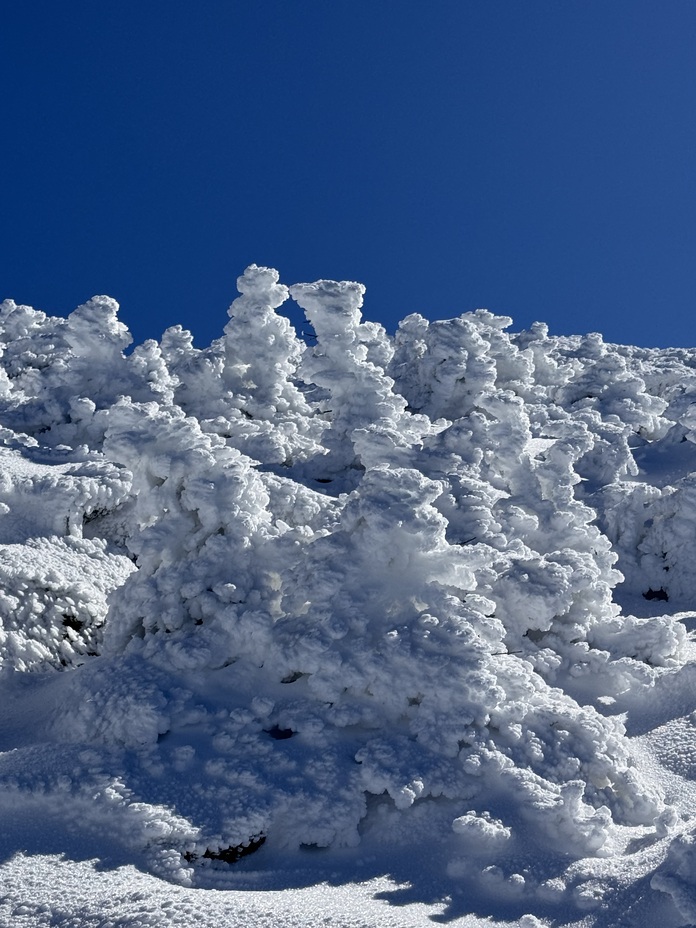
{"x":358,"y":630}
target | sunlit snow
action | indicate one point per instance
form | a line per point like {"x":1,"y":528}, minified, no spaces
{"x":407,"y":619}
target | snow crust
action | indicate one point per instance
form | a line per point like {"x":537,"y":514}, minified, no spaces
{"x":416,"y":597}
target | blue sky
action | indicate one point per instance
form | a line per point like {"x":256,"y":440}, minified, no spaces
{"x":535,"y":158}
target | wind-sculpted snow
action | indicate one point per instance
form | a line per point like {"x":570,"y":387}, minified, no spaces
{"x":363,"y":590}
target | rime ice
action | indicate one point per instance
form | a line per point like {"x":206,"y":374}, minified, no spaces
{"x":367,"y":591}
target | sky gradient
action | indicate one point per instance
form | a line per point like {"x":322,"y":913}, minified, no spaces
{"x":533,"y":158}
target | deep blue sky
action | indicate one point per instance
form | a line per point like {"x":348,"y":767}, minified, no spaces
{"x":536,"y":158}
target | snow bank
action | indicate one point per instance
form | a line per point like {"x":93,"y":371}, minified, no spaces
{"x":362,"y":590}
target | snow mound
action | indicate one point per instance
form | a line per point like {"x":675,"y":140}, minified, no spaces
{"x":363,"y":591}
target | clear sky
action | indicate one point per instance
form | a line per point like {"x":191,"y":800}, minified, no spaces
{"x":536,"y":158}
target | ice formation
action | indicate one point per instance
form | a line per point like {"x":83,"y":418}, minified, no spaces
{"x":271,"y":595}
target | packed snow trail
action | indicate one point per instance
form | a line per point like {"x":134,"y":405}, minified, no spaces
{"x":381,"y":596}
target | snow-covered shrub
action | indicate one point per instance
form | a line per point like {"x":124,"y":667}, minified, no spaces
{"x":348,"y":589}
{"x":53,"y":600}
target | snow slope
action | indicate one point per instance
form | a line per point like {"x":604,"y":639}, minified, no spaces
{"x":364,"y":630}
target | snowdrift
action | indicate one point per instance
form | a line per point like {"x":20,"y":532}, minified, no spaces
{"x":422,"y":593}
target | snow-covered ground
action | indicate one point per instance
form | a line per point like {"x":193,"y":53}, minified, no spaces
{"x":358,"y":631}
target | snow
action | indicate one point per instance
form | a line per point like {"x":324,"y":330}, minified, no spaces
{"x":364,"y":630}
